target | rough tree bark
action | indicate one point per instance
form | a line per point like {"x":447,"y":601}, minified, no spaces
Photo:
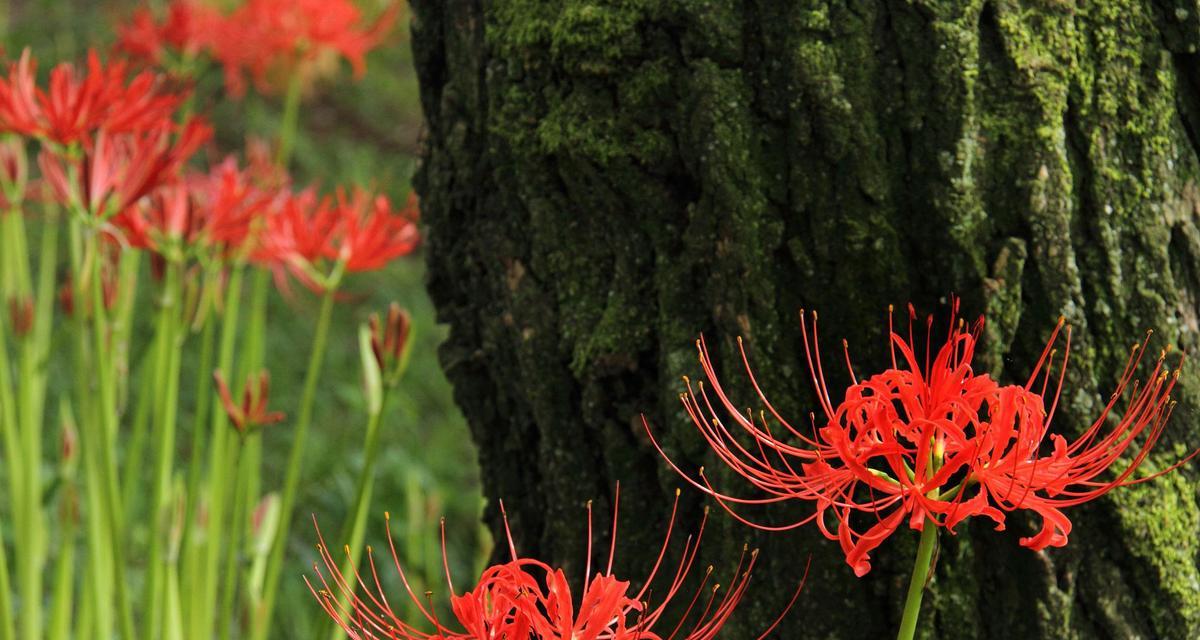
{"x":603,"y":181}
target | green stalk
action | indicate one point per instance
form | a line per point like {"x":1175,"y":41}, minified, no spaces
{"x":173,"y":622}
{"x":64,"y":573}
{"x":32,"y":392}
{"x":234,"y":544}
{"x":84,"y":623}
{"x":916,"y":586}
{"x":174,"y":626}
{"x":167,"y":381}
{"x":23,"y":427}
{"x":135,"y":452}
{"x":207,"y":558}
{"x":7,"y":630}
{"x":290,"y":121}
{"x":296,"y":460}
{"x":97,"y":608}
{"x":204,"y":385}
{"x":106,"y":431}
{"x":354,"y":529}
{"x":16,"y":472}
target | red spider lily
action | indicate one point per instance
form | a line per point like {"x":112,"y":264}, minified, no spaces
{"x":358,"y":232}
{"x":296,"y":233}
{"x":371,"y":235}
{"x":252,"y":412}
{"x":187,"y":28}
{"x":277,"y":38}
{"x":119,"y":170}
{"x":933,"y":442}
{"x":218,"y":210}
{"x":526,"y":598}
{"x":78,"y":103}
{"x":233,"y":202}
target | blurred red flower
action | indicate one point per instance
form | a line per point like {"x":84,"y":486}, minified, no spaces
{"x":371,"y":234}
{"x":527,"y":598}
{"x":360,"y":232}
{"x":219,"y":211}
{"x":932,"y":442}
{"x":78,"y":103}
{"x":187,"y":28}
{"x":272,"y":39}
{"x":118,"y":170}
{"x":251,"y":413}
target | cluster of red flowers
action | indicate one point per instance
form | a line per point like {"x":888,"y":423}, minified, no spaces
{"x":932,"y":443}
{"x":527,"y":598}
{"x":113,"y":152}
{"x":269,"y":40}
{"x":108,"y":139}
{"x":358,"y":231}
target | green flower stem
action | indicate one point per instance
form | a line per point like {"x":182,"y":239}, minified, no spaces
{"x":296,"y":459}
{"x":204,"y":385}
{"x":174,"y":623}
{"x":170,"y":334}
{"x":106,"y":431}
{"x":205,"y":583}
{"x":354,"y":529}
{"x":96,"y":615}
{"x":12,"y":438}
{"x":16,"y":266}
{"x":85,"y":620}
{"x":916,"y":586}
{"x":64,"y":572}
{"x":290,"y":121}
{"x":7,"y":630}
{"x":139,"y":437}
{"x":24,"y":429}
{"x":35,"y":350}
{"x":234,"y":540}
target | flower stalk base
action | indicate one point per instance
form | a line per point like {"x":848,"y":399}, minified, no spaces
{"x":916,"y":586}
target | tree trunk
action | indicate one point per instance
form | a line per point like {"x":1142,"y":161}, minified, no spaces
{"x":605,"y":181}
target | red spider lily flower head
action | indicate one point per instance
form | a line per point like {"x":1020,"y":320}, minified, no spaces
{"x":295,"y":234}
{"x":234,"y":205}
{"x":370,"y":234}
{"x":272,"y":39}
{"x":931,"y":442}
{"x":358,"y":232}
{"x":252,"y":412}
{"x":186,"y":29}
{"x":79,"y":102}
{"x":119,"y":170}
{"x":526,"y":598}
{"x":215,"y":211}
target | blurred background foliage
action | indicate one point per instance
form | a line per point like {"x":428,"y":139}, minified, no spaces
{"x":352,"y":132}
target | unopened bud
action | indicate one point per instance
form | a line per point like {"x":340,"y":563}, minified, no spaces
{"x":20,"y":315}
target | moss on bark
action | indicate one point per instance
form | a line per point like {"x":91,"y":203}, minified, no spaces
{"x":605,"y":180}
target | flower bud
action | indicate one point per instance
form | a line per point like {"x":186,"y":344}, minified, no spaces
{"x":14,"y":172}
{"x":20,"y":315}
